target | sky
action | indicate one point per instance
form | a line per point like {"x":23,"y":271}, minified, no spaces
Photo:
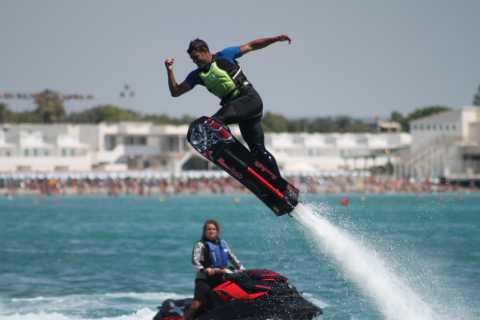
{"x":348,"y":57}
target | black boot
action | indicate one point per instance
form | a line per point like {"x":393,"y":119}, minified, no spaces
{"x":265,"y":157}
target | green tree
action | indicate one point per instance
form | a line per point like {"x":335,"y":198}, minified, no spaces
{"x":25,"y":117}
{"x":5,"y":113}
{"x":275,"y":122}
{"x":425,"y":112}
{"x":50,"y":107}
{"x":398,"y":117}
{"x":104,"y":113}
{"x":158,"y":119}
{"x":476,"y":98}
{"x":298,"y":125}
{"x":322,"y":125}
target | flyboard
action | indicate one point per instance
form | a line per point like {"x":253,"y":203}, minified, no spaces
{"x":217,"y":144}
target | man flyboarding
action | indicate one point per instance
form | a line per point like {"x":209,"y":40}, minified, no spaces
{"x":240,"y":104}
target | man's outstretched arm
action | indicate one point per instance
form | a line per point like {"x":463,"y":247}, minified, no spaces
{"x":175,"y":88}
{"x":262,"y":43}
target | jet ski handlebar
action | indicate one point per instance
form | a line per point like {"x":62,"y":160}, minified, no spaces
{"x":226,"y":270}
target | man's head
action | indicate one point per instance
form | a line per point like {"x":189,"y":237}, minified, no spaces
{"x":199,"y":52}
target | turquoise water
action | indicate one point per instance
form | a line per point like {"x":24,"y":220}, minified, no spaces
{"x":118,"y":258}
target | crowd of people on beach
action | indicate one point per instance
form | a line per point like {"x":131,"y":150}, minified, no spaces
{"x":219,"y":185}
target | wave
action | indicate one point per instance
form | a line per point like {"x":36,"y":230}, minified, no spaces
{"x":111,"y":306}
{"x":316,"y":301}
{"x":135,"y":295}
{"x":142,"y":314}
{"x":132,"y":305}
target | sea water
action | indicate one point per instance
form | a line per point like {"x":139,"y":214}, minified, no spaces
{"x":381,"y":257}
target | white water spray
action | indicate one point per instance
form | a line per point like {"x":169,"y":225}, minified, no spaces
{"x":392,"y":296}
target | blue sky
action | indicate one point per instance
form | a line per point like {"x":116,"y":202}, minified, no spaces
{"x":358,"y":58}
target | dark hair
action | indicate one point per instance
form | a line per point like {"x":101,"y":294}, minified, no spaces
{"x":205,"y":224}
{"x":197,"y":44}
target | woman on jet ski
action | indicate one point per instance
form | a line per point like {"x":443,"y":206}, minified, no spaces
{"x":210,"y":257}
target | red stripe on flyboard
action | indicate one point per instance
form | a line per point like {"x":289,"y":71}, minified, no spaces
{"x":265,"y":183}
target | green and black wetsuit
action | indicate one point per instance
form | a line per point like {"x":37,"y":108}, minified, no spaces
{"x":240,"y":102}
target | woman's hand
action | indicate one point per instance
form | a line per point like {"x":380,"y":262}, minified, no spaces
{"x":210,"y":271}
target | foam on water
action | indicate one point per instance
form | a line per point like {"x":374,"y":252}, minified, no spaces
{"x":316,"y":301}
{"x":391,"y":294}
{"x":62,"y":308}
{"x":142,"y":314}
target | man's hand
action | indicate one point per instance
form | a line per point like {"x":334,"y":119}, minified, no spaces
{"x":262,"y":43}
{"x":284,"y":37}
{"x":169,"y":63}
{"x":175,"y":88}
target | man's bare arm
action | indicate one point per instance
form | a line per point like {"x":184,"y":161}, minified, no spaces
{"x":262,"y":43}
{"x":176,"y":89}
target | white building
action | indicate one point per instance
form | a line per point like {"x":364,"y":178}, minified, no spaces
{"x":444,"y":145}
{"x":27,"y":148}
{"x":143,"y":145}
{"x":335,"y":151}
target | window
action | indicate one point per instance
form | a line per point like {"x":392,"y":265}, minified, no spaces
{"x":110,"y":142}
{"x":26,"y":152}
{"x":170,"y":144}
{"x":135,"y":140}
{"x":141,"y":141}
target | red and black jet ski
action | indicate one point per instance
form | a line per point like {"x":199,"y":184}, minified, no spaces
{"x":249,"y":295}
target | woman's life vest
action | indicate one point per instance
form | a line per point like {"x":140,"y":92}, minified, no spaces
{"x":216,"y":255}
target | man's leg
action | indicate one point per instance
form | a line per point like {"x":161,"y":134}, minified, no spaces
{"x":190,"y":313}
{"x":252,"y":133}
{"x":247,"y":106}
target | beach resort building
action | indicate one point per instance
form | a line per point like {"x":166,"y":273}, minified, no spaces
{"x":444,"y":146}
{"x":137,"y":146}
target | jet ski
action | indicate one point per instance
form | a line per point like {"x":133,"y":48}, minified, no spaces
{"x":255,"y":294}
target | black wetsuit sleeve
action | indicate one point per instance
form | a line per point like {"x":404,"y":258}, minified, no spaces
{"x":193,"y":78}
